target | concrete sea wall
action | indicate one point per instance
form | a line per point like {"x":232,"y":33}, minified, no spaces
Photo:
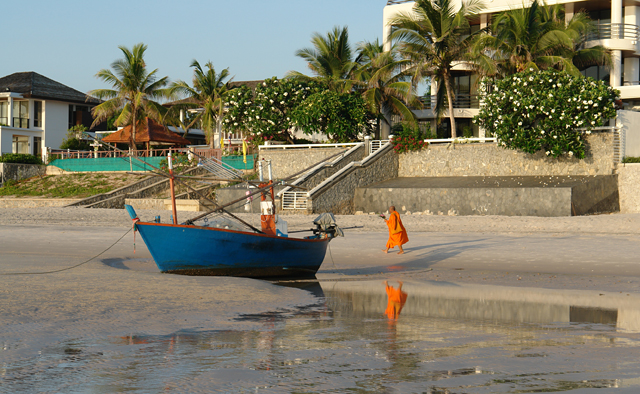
{"x":18,"y":171}
{"x":338,"y":197}
{"x":491,"y":160}
{"x":629,"y":187}
{"x":286,"y":162}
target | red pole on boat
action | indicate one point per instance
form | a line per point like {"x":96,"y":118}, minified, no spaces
{"x":171,"y":186}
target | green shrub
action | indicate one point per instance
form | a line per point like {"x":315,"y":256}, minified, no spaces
{"x":181,"y":162}
{"x":73,"y":141}
{"x":631,"y":160}
{"x":541,"y":110}
{"x":21,"y":158}
{"x":407,"y":138}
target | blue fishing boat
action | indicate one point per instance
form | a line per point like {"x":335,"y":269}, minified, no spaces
{"x":224,"y":247}
{"x":207,"y":250}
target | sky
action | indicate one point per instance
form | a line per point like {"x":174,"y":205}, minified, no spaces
{"x":69,"y":41}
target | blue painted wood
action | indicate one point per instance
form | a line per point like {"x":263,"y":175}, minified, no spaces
{"x":194,"y":250}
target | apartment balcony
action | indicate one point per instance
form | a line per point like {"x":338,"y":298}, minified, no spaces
{"x":460,"y":101}
{"x":464,"y":106}
{"x":616,"y":36}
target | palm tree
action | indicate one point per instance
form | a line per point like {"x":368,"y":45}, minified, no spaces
{"x":207,"y":95}
{"x":385,"y":88}
{"x":537,"y":37}
{"x":134,"y":91}
{"x":435,"y":37}
{"x":330,"y":60}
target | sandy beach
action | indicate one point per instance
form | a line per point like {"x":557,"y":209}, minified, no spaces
{"x":101,"y":288}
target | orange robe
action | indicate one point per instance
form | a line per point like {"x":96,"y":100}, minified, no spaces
{"x":397,"y":233}
{"x":396,"y":299}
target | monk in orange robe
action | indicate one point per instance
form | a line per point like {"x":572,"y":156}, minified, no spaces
{"x":396,"y":299}
{"x":397,"y":233}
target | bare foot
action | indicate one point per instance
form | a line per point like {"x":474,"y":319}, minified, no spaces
{"x":401,"y":252}
{"x":385,"y":250}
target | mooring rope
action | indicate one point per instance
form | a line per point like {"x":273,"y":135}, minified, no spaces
{"x":68,"y":268}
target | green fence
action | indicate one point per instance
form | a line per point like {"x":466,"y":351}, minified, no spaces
{"x":238,"y":163}
{"x":108,"y":164}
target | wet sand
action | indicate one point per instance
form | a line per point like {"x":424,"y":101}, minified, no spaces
{"x":120,"y":291}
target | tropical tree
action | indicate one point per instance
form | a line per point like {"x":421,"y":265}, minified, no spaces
{"x":330,"y":60}
{"x":384,"y":86}
{"x":434,"y":37}
{"x":134,"y":91}
{"x":207,"y":95}
{"x":537,"y":37}
{"x":341,"y":116}
{"x":267,"y":112}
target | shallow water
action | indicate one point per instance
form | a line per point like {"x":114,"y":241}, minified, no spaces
{"x":446,"y":339}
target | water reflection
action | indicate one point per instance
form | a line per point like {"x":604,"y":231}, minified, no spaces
{"x":396,"y":299}
{"x":367,"y":337}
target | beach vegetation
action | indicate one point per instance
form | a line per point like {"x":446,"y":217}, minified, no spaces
{"x":547,"y":111}
{"x":331,"y":61}
{"x":66,"y":186}
{"x":20,"y":158}
{"x":266,"y":113}
{"x":73,"y":140}
{"x":341,"y":116}
{"x":408,"y":137}
{"x":537,"y":37}
{"x":134,"y":92}
{"x":384,"y":86}
{"x":434,"y":37}
{"x":206,"y":97}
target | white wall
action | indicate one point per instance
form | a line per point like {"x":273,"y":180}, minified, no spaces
{"x":629,"y":123}
{"x":56,"y":122}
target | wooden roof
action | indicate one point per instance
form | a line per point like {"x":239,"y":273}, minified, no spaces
{"x":33,"y":85}
{"x":148,"y":130}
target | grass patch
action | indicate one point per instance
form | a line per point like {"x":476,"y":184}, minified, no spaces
{"x":631,"y":160}
{"x":67,"y":186}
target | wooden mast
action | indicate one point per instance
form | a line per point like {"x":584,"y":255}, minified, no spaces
{"x":172,"y":187}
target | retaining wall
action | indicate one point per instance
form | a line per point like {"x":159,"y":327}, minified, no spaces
{"x":18,"y":171}
{"x":629,"y":187}
{"x":286,"y":162}
{"x":490,"y":160}
{"x":338,"y":196}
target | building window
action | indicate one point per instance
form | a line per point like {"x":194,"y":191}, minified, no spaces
{"x":21,"y":114}
{"x":37,"y":114}
{"x":599,"y":73}
{"x":20,"y":144}
{"x":4,"y":113}
{"x":37,"y":146}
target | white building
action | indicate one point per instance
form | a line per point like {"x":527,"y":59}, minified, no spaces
{"x":36,"y":112}
{"x":617,"y":23}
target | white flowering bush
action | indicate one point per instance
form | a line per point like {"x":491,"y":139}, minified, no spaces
{"x":542,"y":110}
{"x":266,"y":113}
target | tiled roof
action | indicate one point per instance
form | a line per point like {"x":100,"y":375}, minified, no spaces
{"x":151,"y":131}
{"x":33,"y":85}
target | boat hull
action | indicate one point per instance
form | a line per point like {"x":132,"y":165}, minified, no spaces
{"x":192,"y":250}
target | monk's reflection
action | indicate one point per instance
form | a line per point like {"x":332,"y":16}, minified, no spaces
{"x":395,"y":300}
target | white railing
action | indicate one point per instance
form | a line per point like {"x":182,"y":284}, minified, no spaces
{"x":459,"y":140}
{"x":374,"y":145}
{"x":308,"y":146}
{"x":294,"y":200}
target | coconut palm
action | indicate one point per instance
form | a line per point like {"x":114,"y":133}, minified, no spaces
{"x":384,"y":86}
{"x":537,"y":37}
{"x":134,"y":92}
{"x":435,"y":36}
{"x":330,"y":60}
{"x":207,"y":96}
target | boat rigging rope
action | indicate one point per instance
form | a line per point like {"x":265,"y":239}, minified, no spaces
{"x":68,"y":268}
